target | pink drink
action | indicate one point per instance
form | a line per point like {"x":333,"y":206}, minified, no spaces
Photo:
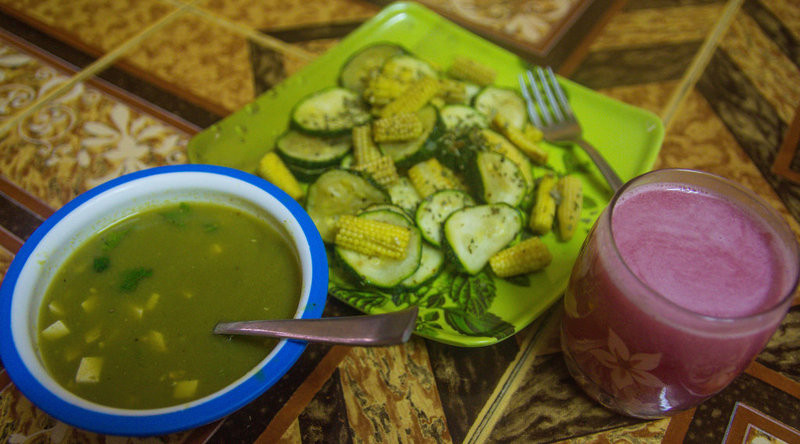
{"x":671,"y":304}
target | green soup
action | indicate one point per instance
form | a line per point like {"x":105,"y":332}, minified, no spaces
{"x":127,"y":321}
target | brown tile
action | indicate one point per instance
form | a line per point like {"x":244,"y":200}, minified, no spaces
{"x":774,"y":75}
{"x":658,"y":26}
{"x":387,"y":388}
{"x":279,"y":14}
{"x":97,"y":25}
{"x":697,"y":138}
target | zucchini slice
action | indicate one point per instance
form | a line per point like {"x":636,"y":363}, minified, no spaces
{"x":336,"y":192}
{"x":382,"y":271}
{"x":308,"y":151}
{"x":390,"y":207}
{"x":356,"y":71}
{"x":431,"y":262}
{"x":404,"y":195}
{"x":493,"y":100}
{"x":407,"y":68}
{"x":496,"y":179}
{"x":331,"y":111}
{"x":462,"y":117}
{"x":434,"y":209}
{"x":406,"y":154}
{"x":472,"y":235}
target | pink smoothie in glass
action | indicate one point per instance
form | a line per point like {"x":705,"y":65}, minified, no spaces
{"x":692,"y":292}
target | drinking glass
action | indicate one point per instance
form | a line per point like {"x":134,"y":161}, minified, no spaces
{"x":632,"y":348}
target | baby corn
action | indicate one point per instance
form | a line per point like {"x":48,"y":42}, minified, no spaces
{"x":397,"y":127}
{"x":364,"y":148}
{"x":382,"y":90}
{"x":274,"y":170}
{"x":544,"y":210}
{"x":415,"y":97}
{"x":569,"y":208}
{"x":372,"y":237}
{"x":525,"y":257}
{"x":464,"y":68}
{"x":381,"y":169}
{"x":528,"y":146}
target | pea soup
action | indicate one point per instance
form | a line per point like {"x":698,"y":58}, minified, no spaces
{"x":127,"y":321}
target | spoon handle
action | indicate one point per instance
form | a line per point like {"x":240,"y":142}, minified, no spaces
{"x":380,"y":329}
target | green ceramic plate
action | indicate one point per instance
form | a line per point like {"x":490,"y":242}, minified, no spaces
{"x":456,"y":310}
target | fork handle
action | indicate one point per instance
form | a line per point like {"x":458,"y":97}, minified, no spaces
{"x":605,"y":169}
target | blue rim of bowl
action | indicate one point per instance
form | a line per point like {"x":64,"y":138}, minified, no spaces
{"x":137,"y":424}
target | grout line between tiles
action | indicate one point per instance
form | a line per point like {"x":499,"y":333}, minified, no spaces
{"x":92,"y":69}
{"x":699,"y":63}
{"x":248,"y":32}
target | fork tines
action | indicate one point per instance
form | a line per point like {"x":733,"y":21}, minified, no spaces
{"x":542,"y":92}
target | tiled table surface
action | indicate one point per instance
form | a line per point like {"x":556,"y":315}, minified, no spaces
{"x":92,"y":89}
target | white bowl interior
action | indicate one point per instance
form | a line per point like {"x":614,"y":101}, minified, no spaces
{"x":115,"y":204}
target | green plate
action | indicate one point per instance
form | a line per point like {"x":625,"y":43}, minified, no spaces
{"x":480,"y":310}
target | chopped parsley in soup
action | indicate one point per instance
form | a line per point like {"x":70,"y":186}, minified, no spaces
{"x":127,"y":321}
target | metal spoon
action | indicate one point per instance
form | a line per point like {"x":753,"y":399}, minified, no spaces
{"x":380,"y":329}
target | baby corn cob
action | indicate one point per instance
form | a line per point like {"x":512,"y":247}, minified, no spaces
{"x":372,"y":237}
{"x":431,"y":176}
{"x":381,"y":169}
{"x":397,"y":127}
{"x":382,"y":90}
{"x":569,"y":208}
{"x":415,"y":97}
{"x":532,"y":133}
{"x":364,"y":148}
{"x":544,"y":210}
{"x":525,"y":257}
{"x":272,"y":168}
{"x":452,"y":91}
{"x":518,"y":138}
{"x":464,"y":68}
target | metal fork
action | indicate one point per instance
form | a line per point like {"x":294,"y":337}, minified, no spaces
{"x":550,"y":110}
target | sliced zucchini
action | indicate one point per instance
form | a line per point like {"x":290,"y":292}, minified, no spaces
{"x":407,"y":68}
{"x":308,"y":151}
{"x":382,"y":271}
{"x":404,"y":195}
{"x":496,"y":179}
{"x":504,"y":101}
{"x":390,"y":207}
{"x":434,"y":209}
{"x":462,"y":117}
{"x":472,"y":235}
{"x":306,"y":175}
{"x":356,"y":71}
{"x":431,"y":264}
{"x":423,"y":147}
{"x":337,"y":192}
{"x":331,"y":111}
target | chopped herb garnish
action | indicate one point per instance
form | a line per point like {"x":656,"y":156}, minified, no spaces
{"x":113,"y":239}
{"x":101,"y":263}
{"x":210,"y":227}
{"x":132,"y":277}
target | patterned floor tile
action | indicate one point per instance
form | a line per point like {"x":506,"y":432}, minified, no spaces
{"x":80,"y":139}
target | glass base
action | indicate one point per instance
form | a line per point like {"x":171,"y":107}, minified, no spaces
{"x":601,"y":396}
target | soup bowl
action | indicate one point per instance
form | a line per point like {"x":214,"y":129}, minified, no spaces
{"x":35,"y":265}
